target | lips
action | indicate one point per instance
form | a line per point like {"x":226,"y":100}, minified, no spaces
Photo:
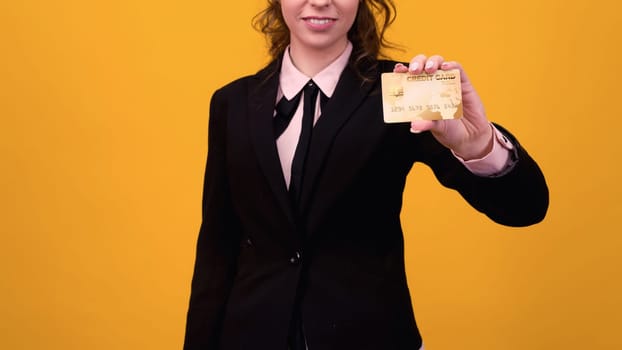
{"x":319,"y":22}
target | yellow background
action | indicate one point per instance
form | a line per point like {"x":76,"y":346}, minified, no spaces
{"x":103,"y":108}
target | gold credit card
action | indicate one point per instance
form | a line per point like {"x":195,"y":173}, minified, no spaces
{"x":407,"y":97}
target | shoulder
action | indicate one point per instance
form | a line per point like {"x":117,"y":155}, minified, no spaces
{"x":387,"y":65}
{"x":234,"y":87}
{"x":247,"y":84}
{"x":372,"y":70}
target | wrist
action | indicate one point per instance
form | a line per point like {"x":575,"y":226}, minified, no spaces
{"x":477,"y":148}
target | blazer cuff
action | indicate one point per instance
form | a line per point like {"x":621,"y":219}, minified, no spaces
{"x":498,"y":162}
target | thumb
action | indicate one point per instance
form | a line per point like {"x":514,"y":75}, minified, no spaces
{"x":417,"y":126}
{"x":400,"y":68}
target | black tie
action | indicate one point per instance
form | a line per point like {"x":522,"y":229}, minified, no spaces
{"x":295,"y":185}
{"x":285,"y":111}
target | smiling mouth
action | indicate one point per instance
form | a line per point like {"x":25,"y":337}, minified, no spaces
{"x":319,"y":21}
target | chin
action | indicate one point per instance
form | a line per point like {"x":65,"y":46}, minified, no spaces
{"x":325,"y":44}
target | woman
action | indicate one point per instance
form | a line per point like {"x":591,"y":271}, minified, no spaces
{"x":301,"y":244}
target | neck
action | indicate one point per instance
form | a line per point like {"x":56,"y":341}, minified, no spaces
{"x":312,"y":61}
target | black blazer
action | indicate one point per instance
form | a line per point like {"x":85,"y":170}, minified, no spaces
{"x":342,"y":257}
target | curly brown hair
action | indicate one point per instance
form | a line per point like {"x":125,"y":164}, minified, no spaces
{"x":367,"y":33}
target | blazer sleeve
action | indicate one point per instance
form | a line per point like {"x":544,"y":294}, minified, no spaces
{"x":218,"y":241}
{"x":520,"y":197}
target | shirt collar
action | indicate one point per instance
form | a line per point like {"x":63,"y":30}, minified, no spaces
{"x":292,"y":80}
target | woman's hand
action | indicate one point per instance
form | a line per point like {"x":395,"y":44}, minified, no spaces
{"x":471,"y":136}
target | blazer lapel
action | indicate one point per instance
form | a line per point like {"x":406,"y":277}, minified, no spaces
{"x":350,"y":92}
{"x":262,"y":98}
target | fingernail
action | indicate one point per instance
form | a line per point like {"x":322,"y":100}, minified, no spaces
{"x":429,"y":64}
{"x":414,"y":66}
{"x":444,"y":64}
{"x":415,"y":131}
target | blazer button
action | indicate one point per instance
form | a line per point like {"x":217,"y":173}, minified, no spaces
{"x":295,"y":259}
